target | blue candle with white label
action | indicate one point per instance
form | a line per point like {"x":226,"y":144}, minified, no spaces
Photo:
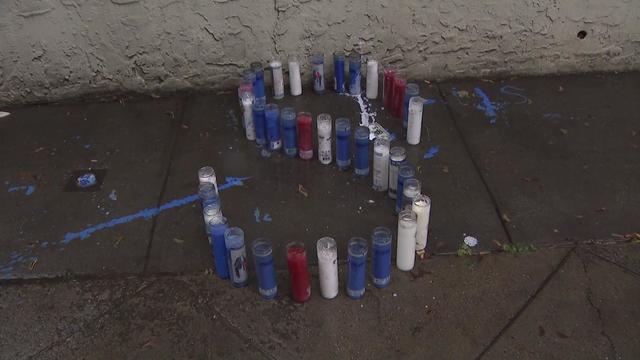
{"x":343,"y":143}
{"x":265,"y":270}
{"x":405,"y":171}
{"x":259,"y":121}
{"x":338,"y":72}
{"x":258,"y":82}
{"x":272,"y":117}
{"x":289,"y":133}
{"x":219,"y":249}
{"x":381,"y":256}
{"x":362,"y":151}
{"x":356,"y":267}
{"x":355,"y":79}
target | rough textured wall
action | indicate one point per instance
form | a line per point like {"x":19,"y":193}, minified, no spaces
{"x":51,"y":49}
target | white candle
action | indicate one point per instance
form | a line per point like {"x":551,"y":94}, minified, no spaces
{"x":397,"y":155}
{"x":247,"y":114}
{"x":406,"y":251}
{"x":381,"y":163}
{"x":295,"y":83}
{"x":422,"y":207}
{"x":372,"y":79}
{"x":324,"y":139}
{"x":414,"y":127}
{"x":328,"y":267}
{"x":278,"y":79}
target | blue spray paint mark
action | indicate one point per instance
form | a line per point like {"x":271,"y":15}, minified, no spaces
{"x":267,"y":218}
{"x":429,"y":102}
{"x":486,"y":105}
{"x":512,"y":90}
{"x":551,"y":116}
{"x":113,"y":195}
{"x":256,"y":214}
{"x":431,"y":153}
{"x":28,"y":189}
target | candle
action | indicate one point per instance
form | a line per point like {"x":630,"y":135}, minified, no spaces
{"x":398,"y":97}
{"x":265,"y":270}
{"x":405,"y":171}
{"x":208,"y":194}
{"x":246,"y":83}
{"x":247,"y":116}
{"x":343,"y":143}
{"x":355,"y":86}
{"x":414,"y":128}
{"x":405,"y":253}
{"x":219,"y":249}
{"x":289,"y":131}
{"x":259,"y":122}
{"x":258,"y":83}
{"x":410,"y":91}
{"x":317,"y":68}
{"x":397,"y":155}
{"x":328,"y":267}
{"x":381,"y":252}
{"x":422,"y":207}
{"x":209,"y":213}
{"x":381,"y":163}
{"x":305,"y":139}
{"x":295,"y":82}
{"x":388,"y":78}
{"x":272,"y":117}
{"x":277,"y":78}
{"x":357,"y":267}
{"x":298,"y":272}
{"x":372,"y":79}
{"x":234,"y":241}
{"x":324,"y":138}
{"x":206,"y":174}
{"x":362,"y":151}
{"x":410,"y":190}
{"x":338,"y":72}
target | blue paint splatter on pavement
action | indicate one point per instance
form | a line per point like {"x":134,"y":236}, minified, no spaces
{"x":266,"y":218}
{"x":432,"y":152}
{"x":486,"y":105}
{"x":113,"y":195}
{"x":514,"y":91}
{"x":28,"y":189}
{"x":86,"y":180}
{"x":428,"y":102}
{"x":256,"y":214}
{"x":551,"y":116}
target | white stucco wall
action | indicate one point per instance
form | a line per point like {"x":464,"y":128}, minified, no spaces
{"x":52,"y":49}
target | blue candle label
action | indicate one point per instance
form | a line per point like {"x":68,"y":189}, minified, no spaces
{"x":318,"y":77}
{"x":238,"y":265}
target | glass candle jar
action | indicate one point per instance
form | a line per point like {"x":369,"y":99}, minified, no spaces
{"x":343,"y":143}
{"x":405,"y":253}
{"x":381,"y":163}
{"x":277,"y":78}
{"x":410,"y":190}
{"x":259,"y":121}
{"x":362,"y":151}
{"x":372,"y":79}
{"x":298,"y":272}
{"x":381,"y":256}
{"x":272,"y":118}
{"x":247,"y":116}
{"x":219,"y":249}
{"x":295,"y":81}
{"x":422,"y":207}
{"x":317,"y":70}
{"x":414,"y":129}
{"x":355,"y":79}
{"x":289,"y":131}
{"x":305,"y":136}
{"x":327,"y":250}
{"x":208,"y":194}
{"x":324,"y":138}
{"x":258,"y":83}
{"x":206,"y":174}
{"x":388,"y":78}
{"x":356,"y":267}
{"x":397,"y":155}
{"x":338,"y":72}
{"x":237,"y":255}
{"x":405,"y":171}
{"x":210,"y":212}
{"x":410,"y":91}
{"x":398,"y":97}
{"x":265,"y":269}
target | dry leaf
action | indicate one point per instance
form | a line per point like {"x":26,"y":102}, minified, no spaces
{"x":302,"y":190}
{"x":506,"y":218}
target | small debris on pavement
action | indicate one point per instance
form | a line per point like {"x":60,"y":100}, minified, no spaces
{"x":38,"y":149}
{"x":470,"y":241}
{"x":505,"y":217}
{"x":370,"y":201}
{"x":4,"y":114}
{"x":113,"y":195}
{"x":178,"y":241}
{"x":560,"y":88}
{"x":302,"y":190}
{"x":600,"y":210}
{"x":33,"y":264}
{"x":564,"y":131}
{"x":445,"y":169}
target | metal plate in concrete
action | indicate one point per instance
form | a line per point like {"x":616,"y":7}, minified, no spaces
{"x":562,"y":156}
{"x":47,"y":231}
{"x":338,"y":204}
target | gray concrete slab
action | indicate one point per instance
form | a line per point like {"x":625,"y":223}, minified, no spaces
{"x":339,"y":204}
{"x":47,"y":231}
{"x":561,"y":158}
{"x":586,"y":311}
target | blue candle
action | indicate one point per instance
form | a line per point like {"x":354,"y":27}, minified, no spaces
{"x":338,"y":72}
{"x":265,"y":270}
{"x":405,"y":171}
{"x":219,"y":249}
{"x":208,"y":194}
{"x":410,"y":91}
{"x":272,"y":116}
{"x":362,"y":151}
{"x":355,"y":86}
{"x":289,"y":135}
{"x":317,"y":68}
{"x":357,"y":267}
{"x":258,"y":83}
{"x":381,"y":252}
{"x":259,"y":121}
{"x":343,"y":143}
{"x":237,"y":255}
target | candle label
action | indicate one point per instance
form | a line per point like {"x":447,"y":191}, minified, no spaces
{"x":318,"y":77}
{"x":238,"y":265}
{"x":324,"y":148}
{"x":380,"y":168}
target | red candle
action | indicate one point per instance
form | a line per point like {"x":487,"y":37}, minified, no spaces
{"x":298,"y":272}
{"x":398,"y":97}
{"x":305,"y":137}
{"x":389,"y":76}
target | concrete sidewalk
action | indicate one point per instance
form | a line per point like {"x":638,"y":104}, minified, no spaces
{"x":125,"y":271}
